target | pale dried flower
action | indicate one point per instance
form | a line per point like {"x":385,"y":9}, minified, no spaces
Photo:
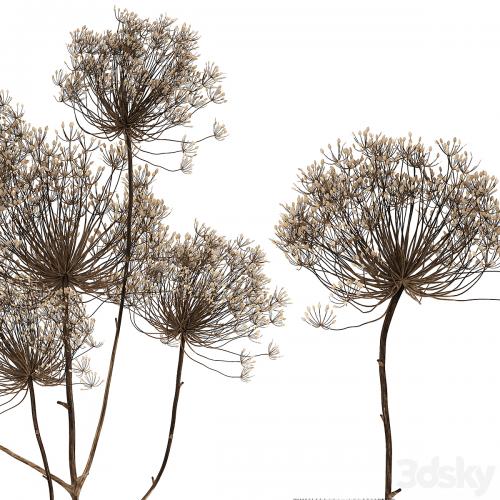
{"x":63,"y":227}
{"x":209,"y":291}
{"x":140,"y":81}
{"x":385,"y":213}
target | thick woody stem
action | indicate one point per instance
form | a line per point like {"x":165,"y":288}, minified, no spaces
{"x":389,"y":494}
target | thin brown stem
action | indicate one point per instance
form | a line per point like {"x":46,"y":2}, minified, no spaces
{"x":39,"y":438}
{"x":70,"y":404}
{"x":118,"y":322}
{"x":389,"y":494}
{"x":178,"y":385}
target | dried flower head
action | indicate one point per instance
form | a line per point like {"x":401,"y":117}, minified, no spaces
{"x":63,"y":228}
{"x":139,"y":81}
{"x":320,"y":316}
{"x":208,"y":292}
{"x":387,"y":213}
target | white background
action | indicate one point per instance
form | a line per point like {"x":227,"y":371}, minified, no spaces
{"x":299,"y":75}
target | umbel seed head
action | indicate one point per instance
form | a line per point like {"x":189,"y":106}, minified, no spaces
{"x":209,"y":292}
{"x":386,"y":213}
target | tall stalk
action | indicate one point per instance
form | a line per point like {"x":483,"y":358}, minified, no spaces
{"x":70,"y":404}
{"x":175,"y":402}
{"x":39,"y":438}
{"x":389,"y":494}
{"x":118,"y":322}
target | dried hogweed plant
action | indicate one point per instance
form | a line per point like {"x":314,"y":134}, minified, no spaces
{"x":59,"y":234}
{"x":63,"y":231}
{"x":67,"y":237}
{"x":204,"y":294}
{"x":136,"y":84}
{"x":387,"y":216}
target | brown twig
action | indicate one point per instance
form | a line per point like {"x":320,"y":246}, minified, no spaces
{"x":36,"y":467}
{"x":118,"y":321}
{"x":178,"y":385}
